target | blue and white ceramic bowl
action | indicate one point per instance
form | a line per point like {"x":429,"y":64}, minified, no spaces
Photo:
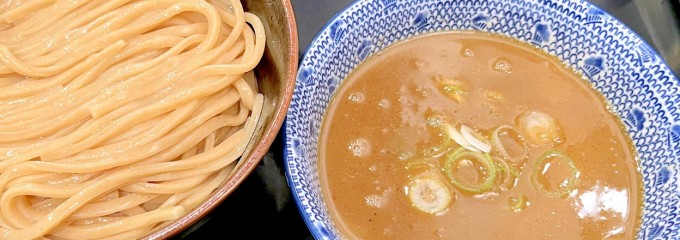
{"x":626,"y":70}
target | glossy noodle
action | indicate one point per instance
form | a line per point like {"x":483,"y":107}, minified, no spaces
{"x":119,"y":116}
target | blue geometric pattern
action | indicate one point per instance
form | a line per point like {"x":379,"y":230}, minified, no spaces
{"x":630,"y":75}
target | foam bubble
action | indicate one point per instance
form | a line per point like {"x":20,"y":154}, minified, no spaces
{"x":374,"y":200}
{"x":378,"y":200}
{"x":384,"y":104}
{"x":419,"y":64}
{"x":359,"y":147}
{"x":468,"y":52}
{"x":502,"y":65}
{"x":387,"y":231}
{"x":357,"y":97}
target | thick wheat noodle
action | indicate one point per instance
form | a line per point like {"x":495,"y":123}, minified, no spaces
{"x":152,"y":34}
{"x":104,"y":153}
{"x":94,"y":17}
{"x":34,"y":132}
{"x":87,"y":44}
{"x":112,"y":206}
{"x":148,"y":64}
{"x":43,"y":127}
{"x":38,"y":44}
{"x":117,"y":117}
{"x":158,"y":42}
{"x":99,"y":186}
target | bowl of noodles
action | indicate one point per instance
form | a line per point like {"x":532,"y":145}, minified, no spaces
{"x":466,"y":119}
{"x":133,"y":119}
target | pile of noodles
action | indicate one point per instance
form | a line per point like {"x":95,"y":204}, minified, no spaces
{"x":117,"y":116}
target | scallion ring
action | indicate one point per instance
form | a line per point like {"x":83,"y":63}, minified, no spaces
{"x":456,"y":136}
{"x":441,"y":149}
{"x":422,"y":163}
{"x":475,"y":139}
{"x":503,"y":151}
{"x":518,"y":203}
{"x":571,"y":181}
{"x":429,"y":195}
{"x":483,"y":159}
{"x":506,"y":174}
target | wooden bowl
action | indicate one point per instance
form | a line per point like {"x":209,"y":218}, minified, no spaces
{"x":276,"y":77}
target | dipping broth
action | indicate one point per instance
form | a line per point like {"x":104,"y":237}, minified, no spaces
{"x":467,"y":135}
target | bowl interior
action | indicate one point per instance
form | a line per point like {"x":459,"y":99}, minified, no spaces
{"x":632,"y":77}
{"x":276,"y":79}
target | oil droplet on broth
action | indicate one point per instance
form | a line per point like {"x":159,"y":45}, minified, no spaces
{"x":359,"y":147}
{"x":502,"y":65}
{"x":357,"y":97}
{"x":403,"y":156}
{"x":422,"y":92}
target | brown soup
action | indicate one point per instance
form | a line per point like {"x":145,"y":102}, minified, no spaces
{"x":475,"y":136}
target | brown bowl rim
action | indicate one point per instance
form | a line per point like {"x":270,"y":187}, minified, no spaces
{"x":258,"y":151}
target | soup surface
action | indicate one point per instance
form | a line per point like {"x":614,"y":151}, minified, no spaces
{"x":473,"y":136}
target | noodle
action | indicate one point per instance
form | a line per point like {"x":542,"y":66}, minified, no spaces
{"x":119,"y":116}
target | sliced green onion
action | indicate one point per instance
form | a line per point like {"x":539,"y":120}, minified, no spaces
{"x":494,"y":96}
{"x":564,"y":188}
{"x":507,"y":175}
{"x":518,"y":203}
{"x":540,"y":128}
{"x":514,"y":171}
{"x":441,"y":149}
{"x":429,"y":195}
{"x":453,"y":89}
{"x":456,"y":136}
{"x":501,"y":167}
{"x":475,"y":139}
{"x":422,"y":163}
{"x":437,"y":122}
{"x":502,"y":151}
{"x":483,"y":159}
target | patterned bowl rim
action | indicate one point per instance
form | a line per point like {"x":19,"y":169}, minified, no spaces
{"x":316,"y":44}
